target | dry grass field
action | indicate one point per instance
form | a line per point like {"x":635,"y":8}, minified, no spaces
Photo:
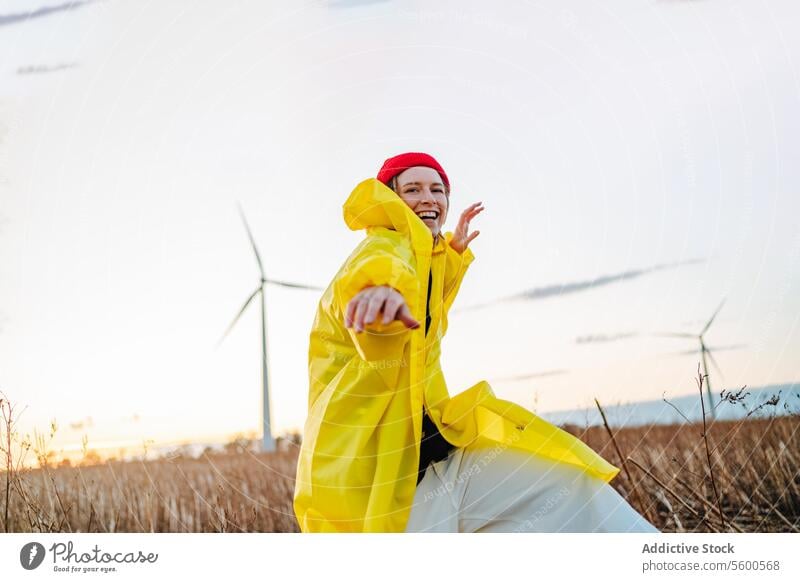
{"x":753,"y":484}
{"x":756,"y":469}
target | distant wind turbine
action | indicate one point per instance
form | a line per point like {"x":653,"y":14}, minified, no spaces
{"x":704,"y":353}
{"x":267,"y":442}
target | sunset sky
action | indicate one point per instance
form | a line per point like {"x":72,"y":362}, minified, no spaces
{"x":638,"y":161}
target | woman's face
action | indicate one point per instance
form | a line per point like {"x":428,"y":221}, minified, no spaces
{"x":423,"y":190}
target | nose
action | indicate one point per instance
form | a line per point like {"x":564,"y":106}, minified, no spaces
{"x":428,"y":195}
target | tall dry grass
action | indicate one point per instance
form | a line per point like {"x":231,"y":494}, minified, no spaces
{"x":710,"y":476}
{"x":215,"y":493}
{"x":756,"y":464}
{"x":668,"y":478}
{"x":231,"y":491}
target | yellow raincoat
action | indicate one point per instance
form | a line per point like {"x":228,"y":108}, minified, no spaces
{"x":357,"y":467}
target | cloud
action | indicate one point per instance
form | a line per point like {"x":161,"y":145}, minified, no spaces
{"x":529,"y":376}
{"x":561,"y":289}
{"x":37,"y":69}
{"x":602,"y":338}
{"x":6,"y":19}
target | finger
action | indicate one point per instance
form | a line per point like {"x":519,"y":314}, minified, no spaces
{"x":374,"y":305}
{"x":391,"y":306}
{"x":471,"y":207}
{"x":470,"y":213}
{"x":471,"y":237}
{"x":475,"y":212}
{"x":361,"y":310}
{"x":463,"y":220}
{"x":351,"y":311}
{"x":405,"y":316}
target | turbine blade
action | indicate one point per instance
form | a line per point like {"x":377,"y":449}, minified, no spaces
{"x":710,"y":321}
{"x":713,"y":361}
{"x":722,"y":348}
{"x":667,"y":334}
{"x":238,"y":315}
{"x":294,"y":285}
{"x":252,"y":241}
{"x":683,"y":353}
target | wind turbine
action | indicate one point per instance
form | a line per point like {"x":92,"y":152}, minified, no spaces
{"x":705,"y":353}
{"x":267,"y":442}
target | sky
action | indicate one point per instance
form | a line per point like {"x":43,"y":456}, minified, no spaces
{"x":637,"y":161}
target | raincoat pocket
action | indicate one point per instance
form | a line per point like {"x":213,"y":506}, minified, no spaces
{"x":379,"y":343}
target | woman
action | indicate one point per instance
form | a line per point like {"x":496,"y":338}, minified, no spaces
{"x":385,"y":448}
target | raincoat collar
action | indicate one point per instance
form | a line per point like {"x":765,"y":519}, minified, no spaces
{"x":373,"y":204}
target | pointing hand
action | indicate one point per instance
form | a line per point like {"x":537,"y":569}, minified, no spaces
{"x":363,"y":309}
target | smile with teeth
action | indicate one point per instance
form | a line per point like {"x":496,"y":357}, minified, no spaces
{"x":428,"y":214}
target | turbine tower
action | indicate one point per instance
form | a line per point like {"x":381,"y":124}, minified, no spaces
{"x":705,"y":354}
{"x":267,"y":441}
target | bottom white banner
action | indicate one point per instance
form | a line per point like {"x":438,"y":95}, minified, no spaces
{"x":378,"y":557}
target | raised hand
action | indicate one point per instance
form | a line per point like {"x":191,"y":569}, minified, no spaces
{"x":461,"y":236}
{"x":365,"y":306}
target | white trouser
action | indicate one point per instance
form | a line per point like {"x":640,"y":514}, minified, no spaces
{"x":504,"y":489}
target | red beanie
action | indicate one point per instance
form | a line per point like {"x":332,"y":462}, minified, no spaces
{"x":402,"y":162}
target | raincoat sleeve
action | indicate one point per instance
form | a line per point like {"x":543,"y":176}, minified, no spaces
{"x":455,"y":268}
{"x":377,"y":262}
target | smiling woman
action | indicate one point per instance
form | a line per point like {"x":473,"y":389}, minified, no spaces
{"x":385,"y":447}
{"x":421,"y":188}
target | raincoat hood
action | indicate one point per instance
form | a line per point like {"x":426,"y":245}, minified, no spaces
{"x":358,"y":462}
{"x":372,"y":204}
